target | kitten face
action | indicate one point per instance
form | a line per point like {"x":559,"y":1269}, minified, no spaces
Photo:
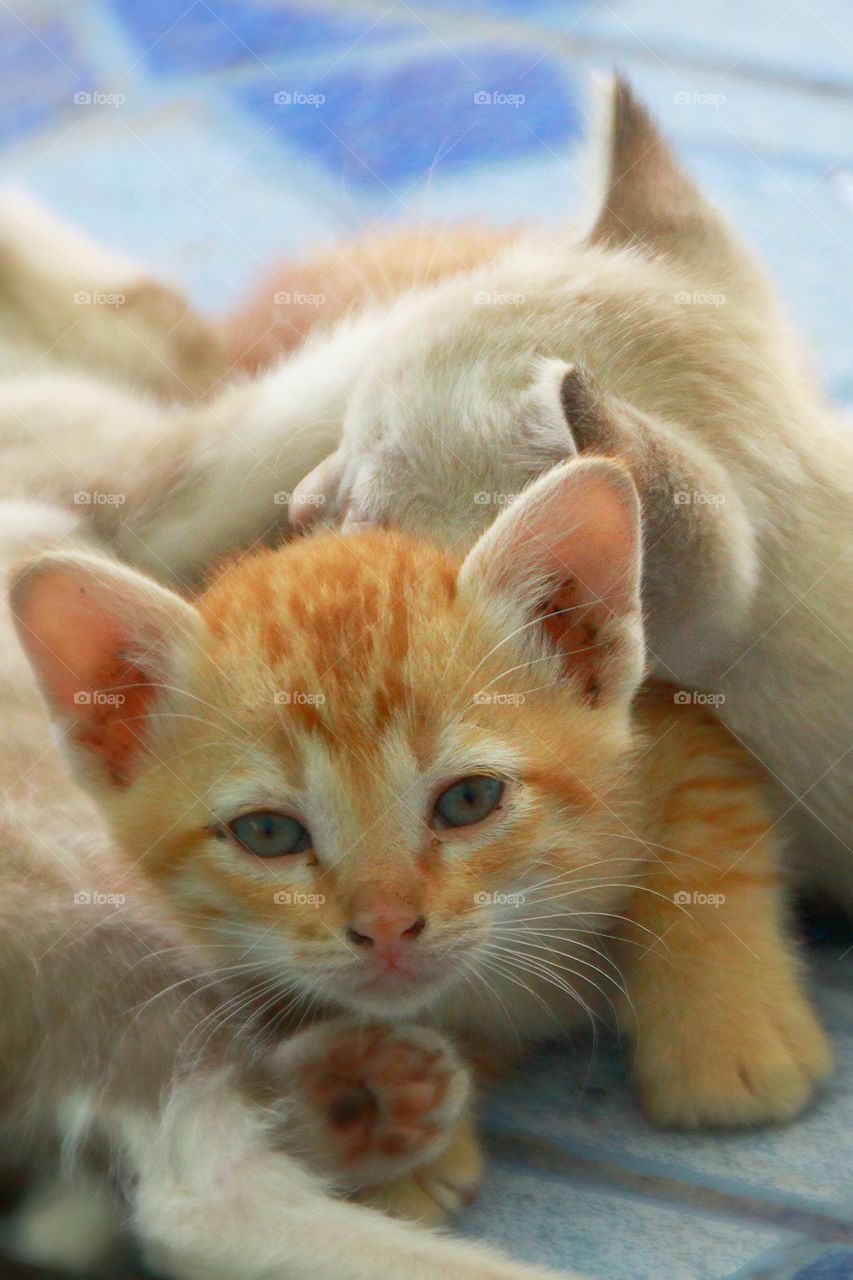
{"x":348,"y":683}
{"x":360,"y":757}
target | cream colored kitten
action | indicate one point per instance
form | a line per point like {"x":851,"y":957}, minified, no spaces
{"x":654,"y":337}
{"x":693,"y":378}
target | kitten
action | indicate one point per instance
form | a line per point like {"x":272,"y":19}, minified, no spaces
{"x":655,"y":338}
{"x":407,"y":784}
{"x":162,"y":1083}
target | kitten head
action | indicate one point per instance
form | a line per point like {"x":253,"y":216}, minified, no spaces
{"x":463,"y":401}
{"x":348,"y":763}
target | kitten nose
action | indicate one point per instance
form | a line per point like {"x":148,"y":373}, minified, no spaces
{"x":387,"y":926}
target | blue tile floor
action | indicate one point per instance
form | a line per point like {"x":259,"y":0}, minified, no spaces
{"x":211,"y":136}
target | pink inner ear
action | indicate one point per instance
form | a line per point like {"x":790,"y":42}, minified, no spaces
{"x":70,"y":639}
{"x":76,"y":646}
{"x":594,"y":542}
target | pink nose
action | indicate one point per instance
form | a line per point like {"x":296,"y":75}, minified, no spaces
{"x":385,"y":927}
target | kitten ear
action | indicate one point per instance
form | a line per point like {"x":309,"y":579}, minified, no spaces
{"x":544,"y":428}
{"x":649,"y":198}
{"x":100,"y":638}
{"x":568,"y":551}
{"x":316,"y":493}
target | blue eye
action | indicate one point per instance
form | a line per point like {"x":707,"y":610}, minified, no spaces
{"x":468,"y":801}
{"x":269,"y":834}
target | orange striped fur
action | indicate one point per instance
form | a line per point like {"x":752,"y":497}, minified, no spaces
{"x":343,"y":677}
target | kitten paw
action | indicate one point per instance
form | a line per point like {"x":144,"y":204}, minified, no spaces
{"x":438,"y":1189}
{"x":381,"y":1101}
{"x":759,"y":1066}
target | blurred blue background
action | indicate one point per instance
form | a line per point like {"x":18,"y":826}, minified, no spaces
{"x":210,"y":137}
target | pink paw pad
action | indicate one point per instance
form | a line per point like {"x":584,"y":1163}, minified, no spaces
{"x":382,"y":1092}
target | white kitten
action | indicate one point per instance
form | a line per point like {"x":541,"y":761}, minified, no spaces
{"x":654,"y":337}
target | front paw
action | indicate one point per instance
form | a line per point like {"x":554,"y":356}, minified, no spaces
{"x":749,"y":1064}
{"x":376,"y":1102}
{"x":437,"y":1189}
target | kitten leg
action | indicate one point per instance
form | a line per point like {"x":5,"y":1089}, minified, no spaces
{"x":214,"y":1197}
{"x":91,"y":307}
{"x":222,"y":477}
{"x":723,"y":1032}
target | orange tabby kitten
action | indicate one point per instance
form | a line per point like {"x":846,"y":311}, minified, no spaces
{"x":418,"y":785}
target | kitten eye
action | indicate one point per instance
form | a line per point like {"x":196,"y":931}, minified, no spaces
{"x":468,"y":801}
{"x":269,"y":834}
